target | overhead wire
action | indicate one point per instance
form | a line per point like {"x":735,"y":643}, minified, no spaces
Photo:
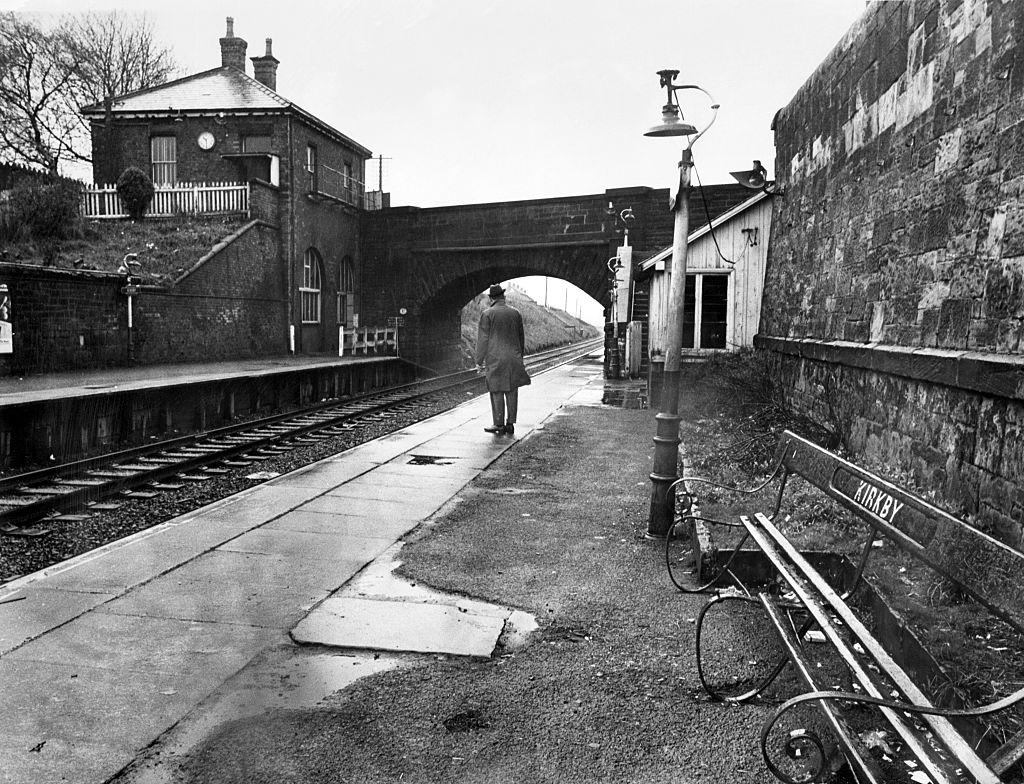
{"x":707,"y":215}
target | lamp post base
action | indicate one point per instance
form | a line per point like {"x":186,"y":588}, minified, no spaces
{"x":666,"y":459}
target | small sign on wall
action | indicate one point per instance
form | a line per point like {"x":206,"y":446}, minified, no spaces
{"x":6,"y":328}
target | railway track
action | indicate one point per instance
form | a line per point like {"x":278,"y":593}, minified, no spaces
{"x":93,"y":485}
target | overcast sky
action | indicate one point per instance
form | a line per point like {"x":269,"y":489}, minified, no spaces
{"x":490,"y":100}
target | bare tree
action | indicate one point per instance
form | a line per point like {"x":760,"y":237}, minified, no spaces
{"x":116,"y":53}
{"x":36,"y":74}
{"x":48,"y":73}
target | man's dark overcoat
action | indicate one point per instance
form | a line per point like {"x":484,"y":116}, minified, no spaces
{"x":500,"y":343}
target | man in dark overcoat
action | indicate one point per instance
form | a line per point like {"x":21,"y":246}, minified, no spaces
{"x":500,"y":344}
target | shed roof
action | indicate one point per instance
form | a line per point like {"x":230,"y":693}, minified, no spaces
{"x":725,"y":217}
{"x":223,"y":89}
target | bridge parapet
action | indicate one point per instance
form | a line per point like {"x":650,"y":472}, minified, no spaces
{"x":432,"y":261}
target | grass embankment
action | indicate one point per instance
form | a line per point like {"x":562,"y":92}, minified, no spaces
{"x":165,"y":247}
{"x":733,"y":412}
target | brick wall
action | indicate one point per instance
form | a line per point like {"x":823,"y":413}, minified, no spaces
{"x":893,"y":291}
{"x":63,"y":320}
{"x":433,"y":261}
{"x":230,"y":305}
{"x":326,"y":225}
{"x":127,"y":143}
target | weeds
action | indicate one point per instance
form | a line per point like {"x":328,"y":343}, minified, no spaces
{"x":748,"y":385}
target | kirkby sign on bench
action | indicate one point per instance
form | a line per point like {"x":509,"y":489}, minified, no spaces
{"x":876,"y":501}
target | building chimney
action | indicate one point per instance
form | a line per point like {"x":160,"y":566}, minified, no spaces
{"x":232,"y":50}
{"x":265,"y":68}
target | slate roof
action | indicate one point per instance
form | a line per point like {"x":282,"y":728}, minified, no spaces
{"x":222,"y":89}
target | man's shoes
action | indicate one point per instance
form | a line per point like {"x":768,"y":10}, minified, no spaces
{"x":510,"y":429}
{"x":495,"y":430}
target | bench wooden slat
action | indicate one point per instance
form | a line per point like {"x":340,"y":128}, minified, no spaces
{"x":989,"y":570}
{"x":1008,"y":755}
{"x":791,"y":565}
{"x":865,"y":767}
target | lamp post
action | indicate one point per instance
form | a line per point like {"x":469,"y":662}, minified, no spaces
{"x":130,"y":288}
{"x":666,"y":438}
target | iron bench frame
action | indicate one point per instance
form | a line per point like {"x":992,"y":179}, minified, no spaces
{"x":945,"y":544}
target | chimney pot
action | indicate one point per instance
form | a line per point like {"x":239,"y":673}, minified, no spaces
{"x":265,"y":68}
{"x":232,"y":49}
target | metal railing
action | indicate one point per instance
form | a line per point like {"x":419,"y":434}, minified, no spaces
{"x":194,"y":198}
{"x":334,"y":184}
{"x":367,"y":341}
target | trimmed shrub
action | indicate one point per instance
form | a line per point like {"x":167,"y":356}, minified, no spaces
{"x":136,"y":191}
{"x":45,"y":209}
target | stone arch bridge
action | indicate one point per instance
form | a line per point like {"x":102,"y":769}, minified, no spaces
{"x":433,"y":261}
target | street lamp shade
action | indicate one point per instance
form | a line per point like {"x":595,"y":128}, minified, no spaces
{"x":671,"y":124}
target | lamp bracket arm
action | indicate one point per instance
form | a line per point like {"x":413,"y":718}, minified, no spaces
{"x":674,"y":88}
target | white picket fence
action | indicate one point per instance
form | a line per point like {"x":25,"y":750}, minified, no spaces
{"x":194,"y":198}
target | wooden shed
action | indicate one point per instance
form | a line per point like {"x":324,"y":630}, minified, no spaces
{"x":724,"y":282}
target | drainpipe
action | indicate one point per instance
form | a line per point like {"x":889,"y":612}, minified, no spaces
{"x":290,"y":251}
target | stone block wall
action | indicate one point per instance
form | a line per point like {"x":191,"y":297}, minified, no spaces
{"x":894,"y":288}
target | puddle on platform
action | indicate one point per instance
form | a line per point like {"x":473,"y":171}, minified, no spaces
{"x":622,"y":396}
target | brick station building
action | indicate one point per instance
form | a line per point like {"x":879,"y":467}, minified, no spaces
{"x":306,"y":177}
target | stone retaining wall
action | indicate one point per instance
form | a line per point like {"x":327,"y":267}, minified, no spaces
{"x":901,"y":234}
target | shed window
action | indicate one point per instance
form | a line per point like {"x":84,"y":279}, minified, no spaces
{"x":163,"y":153}
{"x":309,"y":291}
{"x":705,"y":310}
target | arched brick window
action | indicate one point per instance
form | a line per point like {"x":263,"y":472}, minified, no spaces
{"x":309,"y":291}
{"x":346,"y":291}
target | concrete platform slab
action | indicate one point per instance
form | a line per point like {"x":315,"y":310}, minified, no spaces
{"x":412,"y":510}
{"x":354,"y":525}
{"x":123,"y":566}
{"x":374,"y":483}
{"x":77,"y":704}
{"x":407,"y":490}
{"x":422,"y":628}
{"x":41,"y":610}
{"x":296,"y":546}
{"x":258,"y":507}
{"x":231,"y":587}
{"x":154,"y":645}
{"x":57,"y":760}
{"x":221,"y":602}
{"x":429,"y":465}
{"x":325,"y":474}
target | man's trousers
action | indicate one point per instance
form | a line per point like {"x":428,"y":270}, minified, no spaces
{"x":500,"y":401}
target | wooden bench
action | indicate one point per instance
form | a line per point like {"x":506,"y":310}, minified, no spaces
{"x":803,"y":601}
